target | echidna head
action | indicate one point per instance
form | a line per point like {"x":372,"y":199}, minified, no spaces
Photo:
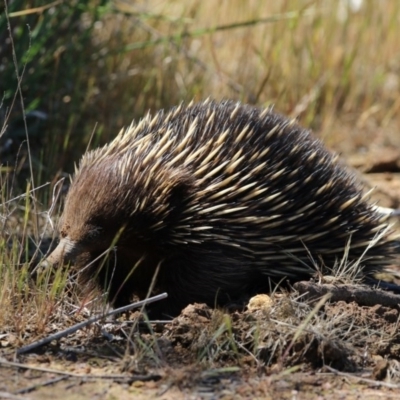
{"x":118,"y":202}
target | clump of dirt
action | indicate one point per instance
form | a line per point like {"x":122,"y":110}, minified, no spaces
{"x":289,"y":333}
{"x":376,"y":328}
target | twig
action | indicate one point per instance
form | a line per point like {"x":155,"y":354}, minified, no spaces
{"x":206,"y":31}
{"x":6,"y":395}
{"x":115,"y":377}
{"x":362,"y":295}
{"x":359,"y":378}
{"x":35,"y":10}
{"x":41,"y":384}
{"x":76,"y":327}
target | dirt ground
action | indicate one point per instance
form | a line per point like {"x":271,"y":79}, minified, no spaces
{"x":347,"y":351}
{"x":88,"y":365}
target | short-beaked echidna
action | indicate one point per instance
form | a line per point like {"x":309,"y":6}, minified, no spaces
{"x":224,"y":198}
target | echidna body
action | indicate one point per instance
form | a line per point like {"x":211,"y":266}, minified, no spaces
{"x":224,"y":198}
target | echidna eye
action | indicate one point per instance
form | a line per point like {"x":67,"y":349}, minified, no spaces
{"x":91,"y":235}
{"x":93,"y":232}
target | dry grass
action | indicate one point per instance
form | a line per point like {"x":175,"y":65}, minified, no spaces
{"x":318,"y":60}
{"x":308,"y":58}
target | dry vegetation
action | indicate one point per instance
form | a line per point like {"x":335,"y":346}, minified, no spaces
{"x":74,"y":73}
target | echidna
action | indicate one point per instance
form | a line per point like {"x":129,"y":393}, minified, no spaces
{"x":225,"y":198}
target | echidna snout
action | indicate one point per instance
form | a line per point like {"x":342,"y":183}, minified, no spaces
{"x":225,"y":198}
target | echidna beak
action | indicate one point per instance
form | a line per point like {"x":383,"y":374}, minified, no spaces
{"x":65,"y":251}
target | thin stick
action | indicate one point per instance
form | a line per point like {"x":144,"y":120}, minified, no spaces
{"x":41,"y":384}
{"x":90,"y":321}
{"x":361,"y":379}
{"x":6,"y":395}
{"x":114,"y":377}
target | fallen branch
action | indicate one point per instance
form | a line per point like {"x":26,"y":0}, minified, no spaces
{"x":362,"y":295}
{"x":81,"y":325}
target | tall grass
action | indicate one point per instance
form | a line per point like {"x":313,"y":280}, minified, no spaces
{"x":88,"y":68}
{"x":96,"y":65}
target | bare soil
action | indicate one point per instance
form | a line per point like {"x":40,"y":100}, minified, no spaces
{"x":90,"y":365}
